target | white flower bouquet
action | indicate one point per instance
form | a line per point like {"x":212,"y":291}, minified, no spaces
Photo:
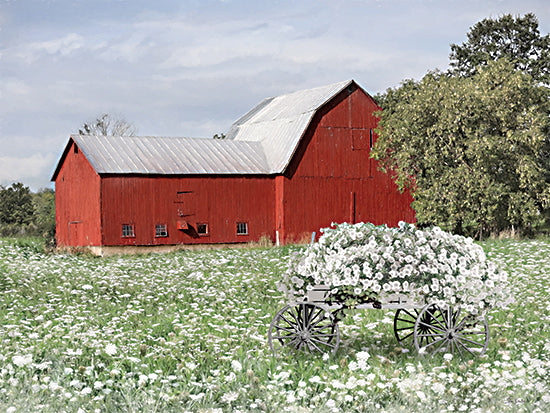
{"x":362,"y":262}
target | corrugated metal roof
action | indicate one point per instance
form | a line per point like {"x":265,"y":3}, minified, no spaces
{"x":279,"y":123}
{"x":165,"y":155}
{"x":262,"y":141}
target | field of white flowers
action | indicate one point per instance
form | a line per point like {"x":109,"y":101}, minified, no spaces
{"x":187,"y":331}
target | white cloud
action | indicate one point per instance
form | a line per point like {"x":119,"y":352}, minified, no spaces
{"x":130,"y":48}
{"x":32,"y":170}
{"x":62,"y":46}
{"x":11,"y":88}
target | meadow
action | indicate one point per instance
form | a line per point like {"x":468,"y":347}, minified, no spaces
{"x":187,"y":331}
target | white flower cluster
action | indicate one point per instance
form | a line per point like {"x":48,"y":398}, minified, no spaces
{"x":362,"y":261}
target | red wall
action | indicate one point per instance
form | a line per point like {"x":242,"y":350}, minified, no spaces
{"x":218,"y":201}
{"x":77,"y":209}
{"x":333,"y":179}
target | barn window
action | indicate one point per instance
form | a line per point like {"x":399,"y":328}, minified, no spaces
{"x":202,"y":229}
{"x":161,"y":230}
{"x":242,"y":228}
{"x":128,"y":230}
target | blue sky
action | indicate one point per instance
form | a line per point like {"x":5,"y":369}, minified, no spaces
{"x":191,"y":68}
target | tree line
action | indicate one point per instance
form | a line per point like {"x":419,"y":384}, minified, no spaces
{"x":472,"y":144}
{"x":24,"y":213}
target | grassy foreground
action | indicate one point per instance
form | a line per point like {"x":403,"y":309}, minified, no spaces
{"x":187,"y":331}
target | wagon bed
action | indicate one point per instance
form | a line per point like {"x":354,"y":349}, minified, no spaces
{"x":312,"y":325}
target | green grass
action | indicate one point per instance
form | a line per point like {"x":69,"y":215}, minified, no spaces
{"x":190,"y":330}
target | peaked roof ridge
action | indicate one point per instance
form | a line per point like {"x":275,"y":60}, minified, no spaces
{"x":141,"y":137}
{"x":295,"y":96}
{"x":279,"y":122}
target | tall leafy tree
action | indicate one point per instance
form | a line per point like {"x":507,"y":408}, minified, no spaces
{"x":516,"y":38}
{"x":470,"y":148}
{"x":16,"y":206}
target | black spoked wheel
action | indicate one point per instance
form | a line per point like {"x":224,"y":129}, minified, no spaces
{"x":305,"y":327}
{"x":450,"y":331}
{"x":403,"y":325}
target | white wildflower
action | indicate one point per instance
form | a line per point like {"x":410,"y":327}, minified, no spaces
{"x":230,"y":397}
{"x":22,"y":361}
{"x":236,"y":366}
{"x":421,"y":395}
{"x":111,"y":349}
{"x":85,"y":391}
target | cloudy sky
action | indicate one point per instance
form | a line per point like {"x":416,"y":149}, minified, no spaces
{"x":192,"y":67}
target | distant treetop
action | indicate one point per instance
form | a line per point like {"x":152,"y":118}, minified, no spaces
{"x":107,"y":125}
{"x":516,"y":38}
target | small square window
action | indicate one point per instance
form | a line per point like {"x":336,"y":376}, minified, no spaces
{"x":202,"y":229}
{"x":128,"y":231}
{"x":161,"y":230}
{"x":242,"y":228}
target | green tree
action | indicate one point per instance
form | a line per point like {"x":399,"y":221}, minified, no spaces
{"x":16,"y":208}
{"x":471,"y":149}
{"x":44,"y":214}
{"x":517,"y":39}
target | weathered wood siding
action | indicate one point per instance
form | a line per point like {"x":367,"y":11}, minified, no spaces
{"x":218,"y":201}
{"x":332,"y":177}
{"x":77,"y":201}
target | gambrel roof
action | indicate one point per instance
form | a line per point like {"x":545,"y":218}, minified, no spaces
{"x":279,"y":123}
{"x":261,"y":142}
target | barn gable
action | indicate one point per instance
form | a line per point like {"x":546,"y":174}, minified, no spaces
{"x":279,"y":123}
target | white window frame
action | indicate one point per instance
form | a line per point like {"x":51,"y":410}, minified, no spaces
{"x":242,"y":228}
{"x":128,"y":231}
{"x":161,"y":231}
{"x":203,"y":234}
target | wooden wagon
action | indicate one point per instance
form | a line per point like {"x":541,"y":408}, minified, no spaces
{"x":312,"y":325}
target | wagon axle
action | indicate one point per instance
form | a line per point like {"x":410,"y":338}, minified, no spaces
{"x":312,"y":326}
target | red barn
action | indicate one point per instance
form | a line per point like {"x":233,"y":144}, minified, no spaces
{"x":292,"y":165}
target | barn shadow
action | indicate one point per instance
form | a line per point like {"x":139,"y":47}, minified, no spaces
{"x":190,"y":231}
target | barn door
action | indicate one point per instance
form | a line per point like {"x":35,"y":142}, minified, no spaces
{"x":75,"y":232}
{"x":185,"y":204}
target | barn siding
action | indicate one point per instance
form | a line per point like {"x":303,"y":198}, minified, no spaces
{"x":332,"y":177}
{"x":77,"y":201}
{"x":220,"y":202}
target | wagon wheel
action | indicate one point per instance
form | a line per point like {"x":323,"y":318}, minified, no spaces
{"x":450,"y":330}
{"x":305,"y":327}
{"x":403,"y":325}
